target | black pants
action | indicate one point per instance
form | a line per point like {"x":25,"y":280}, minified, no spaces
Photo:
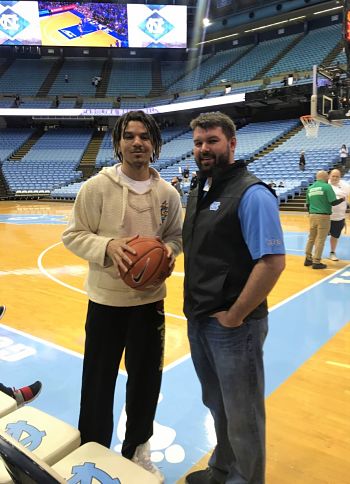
{"x":140,"y":330}
{"x":6,"y":390}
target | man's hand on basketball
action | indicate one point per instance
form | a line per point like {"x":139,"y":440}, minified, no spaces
{"x":117,"y":250}
{"x":171,"y":258}
{"x":221,"y":316}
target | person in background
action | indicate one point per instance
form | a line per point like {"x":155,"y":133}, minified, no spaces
{"x":112,"y":208}
{"x":186,"y":173}
{"x":175,"y":182}
{"x":343,"y":154}
{"x":194,"y":180}
{"x":342,"y":190}
{"x":320,"y":198}
{"x":302,"y":161}
{"x":229,"y":271}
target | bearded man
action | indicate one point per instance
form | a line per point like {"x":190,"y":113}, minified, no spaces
{"x":234,"y":255}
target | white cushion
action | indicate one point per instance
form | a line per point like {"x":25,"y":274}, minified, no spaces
{"x":7,"y":404}
{"x":47,"y":437}
{"x":99,"y":460}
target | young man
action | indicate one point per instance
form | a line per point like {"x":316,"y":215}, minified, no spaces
{"x":320,"y":198}
{"x":234,"y":255}
{"x":342,"y":190}
{"x":112,"y":208}
{"x":21,"y":395}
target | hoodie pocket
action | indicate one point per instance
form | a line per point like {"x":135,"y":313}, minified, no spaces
{"x":110,"y":279}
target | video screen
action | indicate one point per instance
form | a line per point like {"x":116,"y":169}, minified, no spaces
{"x":157,"y":26}
{"x":19,"y":23}
{"x":83,"y":24}
{"x":80,"y":24}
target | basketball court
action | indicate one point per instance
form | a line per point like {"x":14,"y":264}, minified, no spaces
{"x":65,"y":29}
{"x":306,"y":353}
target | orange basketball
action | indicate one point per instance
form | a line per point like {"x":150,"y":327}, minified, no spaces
{"x":150,"y":264}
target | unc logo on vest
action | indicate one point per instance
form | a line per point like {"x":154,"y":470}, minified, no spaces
{"x":215,"y":206}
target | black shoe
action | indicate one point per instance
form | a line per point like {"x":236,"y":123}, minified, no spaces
{"x":307,"y":262}
{"x":27,"y":394}
{"x":319,"y":265}
{"x":201,"y":477}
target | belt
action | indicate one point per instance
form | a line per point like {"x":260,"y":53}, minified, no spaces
{"x":320,"y":214}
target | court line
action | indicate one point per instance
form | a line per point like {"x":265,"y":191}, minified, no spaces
{"x":50,"y":276}
{"x":42,"y":341}
{"x":54,"y":279}
{"x":317,"y":283}
{"x":335,"y":363}
{"x":180,"y":360}
{"x":64,"y":284}
{"x":55,"y":346}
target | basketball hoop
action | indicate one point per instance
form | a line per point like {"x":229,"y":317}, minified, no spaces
{"x":311,"y":125}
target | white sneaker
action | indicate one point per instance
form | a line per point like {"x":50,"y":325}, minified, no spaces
{"x":333,"y":257}
{"x":142,"y":457}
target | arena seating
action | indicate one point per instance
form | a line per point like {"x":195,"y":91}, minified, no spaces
{"x":38,"y":448}
{"x":248,"y":66}
{"x":34,"y":71}
{"x":51,"y":163}
{"x":282,"y":164}
{"x":89,"y":463}
{"x":174,"y":70}
{"x":130,"y":77}
{"x":200,"y":75}
{"x":11,"y":140}
{"x":80,"y":73}
{"x":52,"y":168}
{"x":312,"y":49}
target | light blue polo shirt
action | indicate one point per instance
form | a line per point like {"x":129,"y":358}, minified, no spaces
{"x":261,"y":227}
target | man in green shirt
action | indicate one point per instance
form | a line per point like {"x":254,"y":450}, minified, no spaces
{"x":320,"y":198}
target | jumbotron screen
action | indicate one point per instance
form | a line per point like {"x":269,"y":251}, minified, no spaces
{"x":79,"y":24}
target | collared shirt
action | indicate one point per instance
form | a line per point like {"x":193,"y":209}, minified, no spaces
{"x":260,"y":222}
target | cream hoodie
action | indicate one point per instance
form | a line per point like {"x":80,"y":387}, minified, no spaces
{"x":108,"y":208}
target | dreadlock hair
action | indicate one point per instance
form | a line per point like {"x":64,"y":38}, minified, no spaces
{"x":150,"y":124}
{"x":215,"y":119}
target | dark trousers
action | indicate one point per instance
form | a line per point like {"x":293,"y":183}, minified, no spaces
{"x":6,"y":390}
{"x":140,"y":330}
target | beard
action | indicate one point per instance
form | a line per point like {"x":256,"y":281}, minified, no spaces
{"x":220,"y":163}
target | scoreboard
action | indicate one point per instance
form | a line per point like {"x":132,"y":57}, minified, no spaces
{"x":92,"y":24}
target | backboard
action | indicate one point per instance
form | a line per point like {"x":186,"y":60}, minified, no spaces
{"x":328,"y":96}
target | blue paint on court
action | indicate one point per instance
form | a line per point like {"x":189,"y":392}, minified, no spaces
{"x":32,"y":219}
{"x":295,"y":243}
{"x":298,"y":328}
{"x":76,"y":31}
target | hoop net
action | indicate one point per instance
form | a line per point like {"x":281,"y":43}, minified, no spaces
{"x":311,"y":125}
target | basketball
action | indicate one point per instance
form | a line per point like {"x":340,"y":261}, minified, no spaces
{"x":150,"y":264}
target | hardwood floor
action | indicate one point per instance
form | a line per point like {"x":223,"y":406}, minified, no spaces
{"x":308,"y":440}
